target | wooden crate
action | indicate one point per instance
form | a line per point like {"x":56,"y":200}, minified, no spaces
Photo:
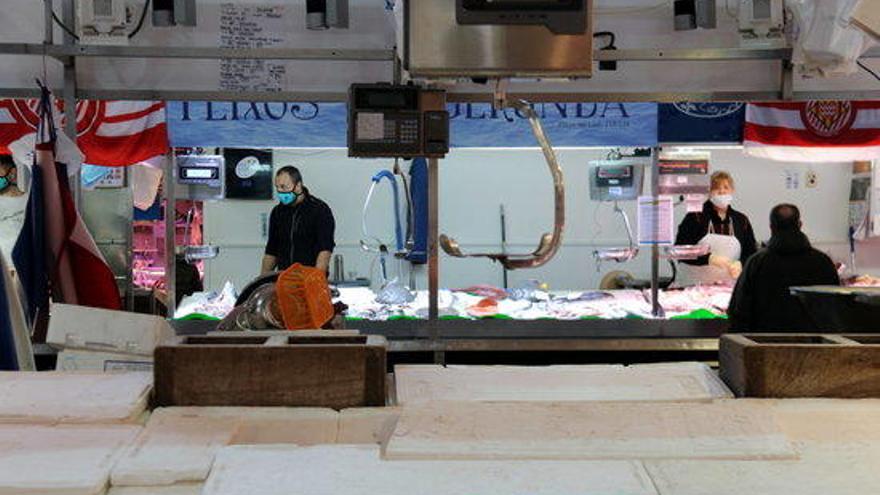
{"x":314,"y":369}
{"x":801,"y":365}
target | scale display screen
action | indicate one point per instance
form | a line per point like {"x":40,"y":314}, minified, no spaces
{"x":199,"y":173}
{"x":200,"y":177}
{"x":615,"y":173}
{"x":397,"y":98}
{"x":616,"y":180}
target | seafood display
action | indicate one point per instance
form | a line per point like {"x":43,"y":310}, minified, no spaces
{"x":491,"y":302}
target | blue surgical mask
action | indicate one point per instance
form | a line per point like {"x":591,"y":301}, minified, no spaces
{"x":286,"y":198}
{"x":4,"y":182}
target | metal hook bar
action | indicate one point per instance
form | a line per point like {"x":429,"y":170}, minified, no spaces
{"x":549,"y":243}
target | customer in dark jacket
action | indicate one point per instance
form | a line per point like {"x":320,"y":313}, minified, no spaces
{"x":761,"y":301}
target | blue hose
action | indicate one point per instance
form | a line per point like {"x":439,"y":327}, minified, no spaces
{"x":398,"y":231}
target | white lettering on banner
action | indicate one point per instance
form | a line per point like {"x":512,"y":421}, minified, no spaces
{"x":246,"y":26}
{"x":313,"y":124}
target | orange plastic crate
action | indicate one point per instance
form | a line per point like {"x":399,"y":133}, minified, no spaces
{"x":304,"y":298}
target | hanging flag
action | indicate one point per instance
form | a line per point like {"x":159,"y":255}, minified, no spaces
{"x":8,"y":356}
{"x":814,"y":131}
{"x":125,"y":133}
{"x":29,"y":253}
{"x":77,"y":271}
{"x":109,"y":133}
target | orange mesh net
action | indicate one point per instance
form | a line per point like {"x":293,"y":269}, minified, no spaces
{"x":304,"y":297}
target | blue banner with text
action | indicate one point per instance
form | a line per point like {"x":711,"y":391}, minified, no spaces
{"x":323,"y":125}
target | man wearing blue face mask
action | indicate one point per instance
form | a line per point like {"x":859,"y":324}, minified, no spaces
{"x":301,"y":226}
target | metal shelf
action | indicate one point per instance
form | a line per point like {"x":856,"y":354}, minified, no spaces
{"x":373,"y":55}
{"x":205,"y":53}
{"x":68,"y":53}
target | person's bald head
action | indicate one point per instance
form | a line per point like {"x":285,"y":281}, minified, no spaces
{"x":785,"y":218}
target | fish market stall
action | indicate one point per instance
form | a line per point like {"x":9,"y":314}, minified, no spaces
{"x":534,"y":196}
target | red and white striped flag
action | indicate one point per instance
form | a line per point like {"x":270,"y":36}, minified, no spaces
{"x":814,"y":131}
{"x":77,"y":270}
{"x":109,"y":133}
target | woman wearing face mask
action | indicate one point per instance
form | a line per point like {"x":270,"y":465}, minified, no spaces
{"x":301,"y":227}
{"x":13,"y":202}
{"x":727,"y":232}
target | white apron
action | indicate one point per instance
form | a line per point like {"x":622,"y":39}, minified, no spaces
{"x":719,"y":245}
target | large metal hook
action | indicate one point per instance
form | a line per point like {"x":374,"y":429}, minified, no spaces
{"x":549,"y":243}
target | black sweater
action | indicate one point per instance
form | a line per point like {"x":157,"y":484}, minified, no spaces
{"x":761,"y":301}
{"x":695,"y":226}
{"x":299,"y":232}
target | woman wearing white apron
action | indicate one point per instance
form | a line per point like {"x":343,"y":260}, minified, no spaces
{"x":727,"y":232}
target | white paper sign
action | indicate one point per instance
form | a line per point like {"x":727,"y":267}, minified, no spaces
{"x":695,"y":202}
{"x":253,"y":26}
{"x":656,"y":220}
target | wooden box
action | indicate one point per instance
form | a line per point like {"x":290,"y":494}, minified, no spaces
{"x":801,"y":365}
{"x":301,"y":369}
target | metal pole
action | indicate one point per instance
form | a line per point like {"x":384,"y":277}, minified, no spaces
{"x":655,"y":249}
{"x":397,"y":76}
{"x":503,"y":218}
{"x":129,"y":240}
{"x":433,"y":253}
{"x":170,"y":229}
{"x":49,"y":27}
{"x":787,"y":78}
{"x":69,"y":91}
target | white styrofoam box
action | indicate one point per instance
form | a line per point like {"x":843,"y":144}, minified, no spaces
{"x":79,"y":327}
{"x":179,"y":443}
{"x":365,"y":425}
{"x":78,"y":397}
{"x":827,"y":420}
{"x":176,"y":489}
{"x":837,"y":468}
{"x":838,"y":442}
{"x":173,"y":449}
{"x":82,"y":360}
{"x":287,"y":425}
{"x":60,"y":460}
{"x":260,"y":425}
{"x":359,"y":470}
{"x":571,"y":383}
{"x":723,"y":429}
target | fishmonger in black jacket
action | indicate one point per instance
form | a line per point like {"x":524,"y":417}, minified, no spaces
{"x":720,"y":219}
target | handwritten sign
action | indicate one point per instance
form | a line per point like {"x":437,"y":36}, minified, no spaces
{"x":244,"y":26}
